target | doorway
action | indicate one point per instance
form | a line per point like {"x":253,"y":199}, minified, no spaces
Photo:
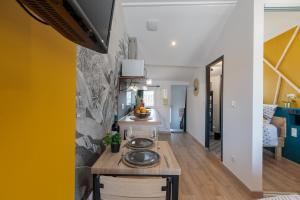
{"x":178,"y":108}
{"x":214,"y":107}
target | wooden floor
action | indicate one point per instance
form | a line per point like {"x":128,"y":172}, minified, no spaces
{"x":280,"y":176}
{"x":203,"y":176}
{"x":215,"y":147}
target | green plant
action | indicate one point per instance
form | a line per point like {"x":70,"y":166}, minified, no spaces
{"x":107,"y":139}
{"x":116,"y":139}
{"x":112,"y":139}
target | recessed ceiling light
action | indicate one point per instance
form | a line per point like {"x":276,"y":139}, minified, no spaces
{"x":149,"y":81}
{"x":173,"y":43}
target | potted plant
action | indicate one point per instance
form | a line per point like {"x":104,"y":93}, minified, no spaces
{"x":114,"y":140}
{"x":291,"y":99}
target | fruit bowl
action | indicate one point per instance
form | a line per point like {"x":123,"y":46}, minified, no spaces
{"x":142,"y":115}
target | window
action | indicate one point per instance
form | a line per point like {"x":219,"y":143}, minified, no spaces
{"x":128,"y":98}
{"x":149,"y":98}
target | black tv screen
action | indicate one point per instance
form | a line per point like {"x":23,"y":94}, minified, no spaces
{"x":99,"y":14}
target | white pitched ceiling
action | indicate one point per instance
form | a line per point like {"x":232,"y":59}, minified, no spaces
{"x":191,"y":24}
{"x":279,"y":22}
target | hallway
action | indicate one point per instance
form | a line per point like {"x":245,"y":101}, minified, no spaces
{"x":203,"y":176}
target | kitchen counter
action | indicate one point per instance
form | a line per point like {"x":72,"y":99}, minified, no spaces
{"x":127,"y":122}
{"x":153,"y":119}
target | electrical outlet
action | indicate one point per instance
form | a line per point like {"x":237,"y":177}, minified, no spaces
{"x":294,"y":132}
{"x":232,"y":159}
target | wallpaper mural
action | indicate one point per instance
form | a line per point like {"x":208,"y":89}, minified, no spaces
{"x":96,"y":100}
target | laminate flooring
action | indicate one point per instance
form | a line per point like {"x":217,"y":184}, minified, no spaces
{"x":203,"y":175}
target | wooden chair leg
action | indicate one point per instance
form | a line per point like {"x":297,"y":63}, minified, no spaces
{"x":278,"y":153}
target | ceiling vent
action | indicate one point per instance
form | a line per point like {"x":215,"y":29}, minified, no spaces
{"x":152,"y":24}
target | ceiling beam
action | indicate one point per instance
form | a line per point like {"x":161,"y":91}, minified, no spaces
{"x":178,"y":3}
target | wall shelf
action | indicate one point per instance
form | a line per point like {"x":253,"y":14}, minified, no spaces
{"x":126,"y":81}
{"x":132,"y":79}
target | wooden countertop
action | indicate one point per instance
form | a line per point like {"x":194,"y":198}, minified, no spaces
{"x":154,"y":119}
{"x":108,"y":163}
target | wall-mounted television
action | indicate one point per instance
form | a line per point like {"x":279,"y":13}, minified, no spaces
{"x":85,"y":22}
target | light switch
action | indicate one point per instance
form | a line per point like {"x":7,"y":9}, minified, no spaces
{"x":233,"y":104}
{"x":294,"y":132}
{"x":123,"y":106}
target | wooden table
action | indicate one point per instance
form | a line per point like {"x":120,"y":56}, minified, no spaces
{"x":107,"y":165}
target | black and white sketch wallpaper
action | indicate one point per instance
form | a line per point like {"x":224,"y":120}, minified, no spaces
{"x":96,"y":100}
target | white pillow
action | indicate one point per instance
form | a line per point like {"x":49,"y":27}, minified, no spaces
{"x":269,"y":111}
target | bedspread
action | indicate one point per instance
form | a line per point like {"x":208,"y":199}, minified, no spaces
{"x":270,"y":135}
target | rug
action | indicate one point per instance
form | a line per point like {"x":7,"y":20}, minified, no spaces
{"x":281,"y":196}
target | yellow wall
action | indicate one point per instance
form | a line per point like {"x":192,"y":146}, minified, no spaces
{"x":290,"y":67}
{"x":37,"y":106}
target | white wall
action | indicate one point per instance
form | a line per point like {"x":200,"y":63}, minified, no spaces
{"x":243,"y":75}
{"x":196,"y":108}
{"x":242,"y":46}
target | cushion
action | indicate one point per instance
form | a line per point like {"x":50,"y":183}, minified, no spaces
{"x":269,"y":111}
{"x":270,"y":135}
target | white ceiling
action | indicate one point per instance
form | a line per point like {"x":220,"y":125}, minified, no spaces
{"x":279,"y":22}
{"x":190,"y":25}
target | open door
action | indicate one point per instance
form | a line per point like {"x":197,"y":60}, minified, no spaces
{"x":214,"y":107}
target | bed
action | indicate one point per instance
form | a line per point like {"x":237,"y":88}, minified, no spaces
{"x":270,"y":137}
{"x":274,"y":134}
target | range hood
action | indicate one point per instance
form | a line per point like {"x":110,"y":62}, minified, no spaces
{"x":133,"y":68}
{"x":85,"y":22}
